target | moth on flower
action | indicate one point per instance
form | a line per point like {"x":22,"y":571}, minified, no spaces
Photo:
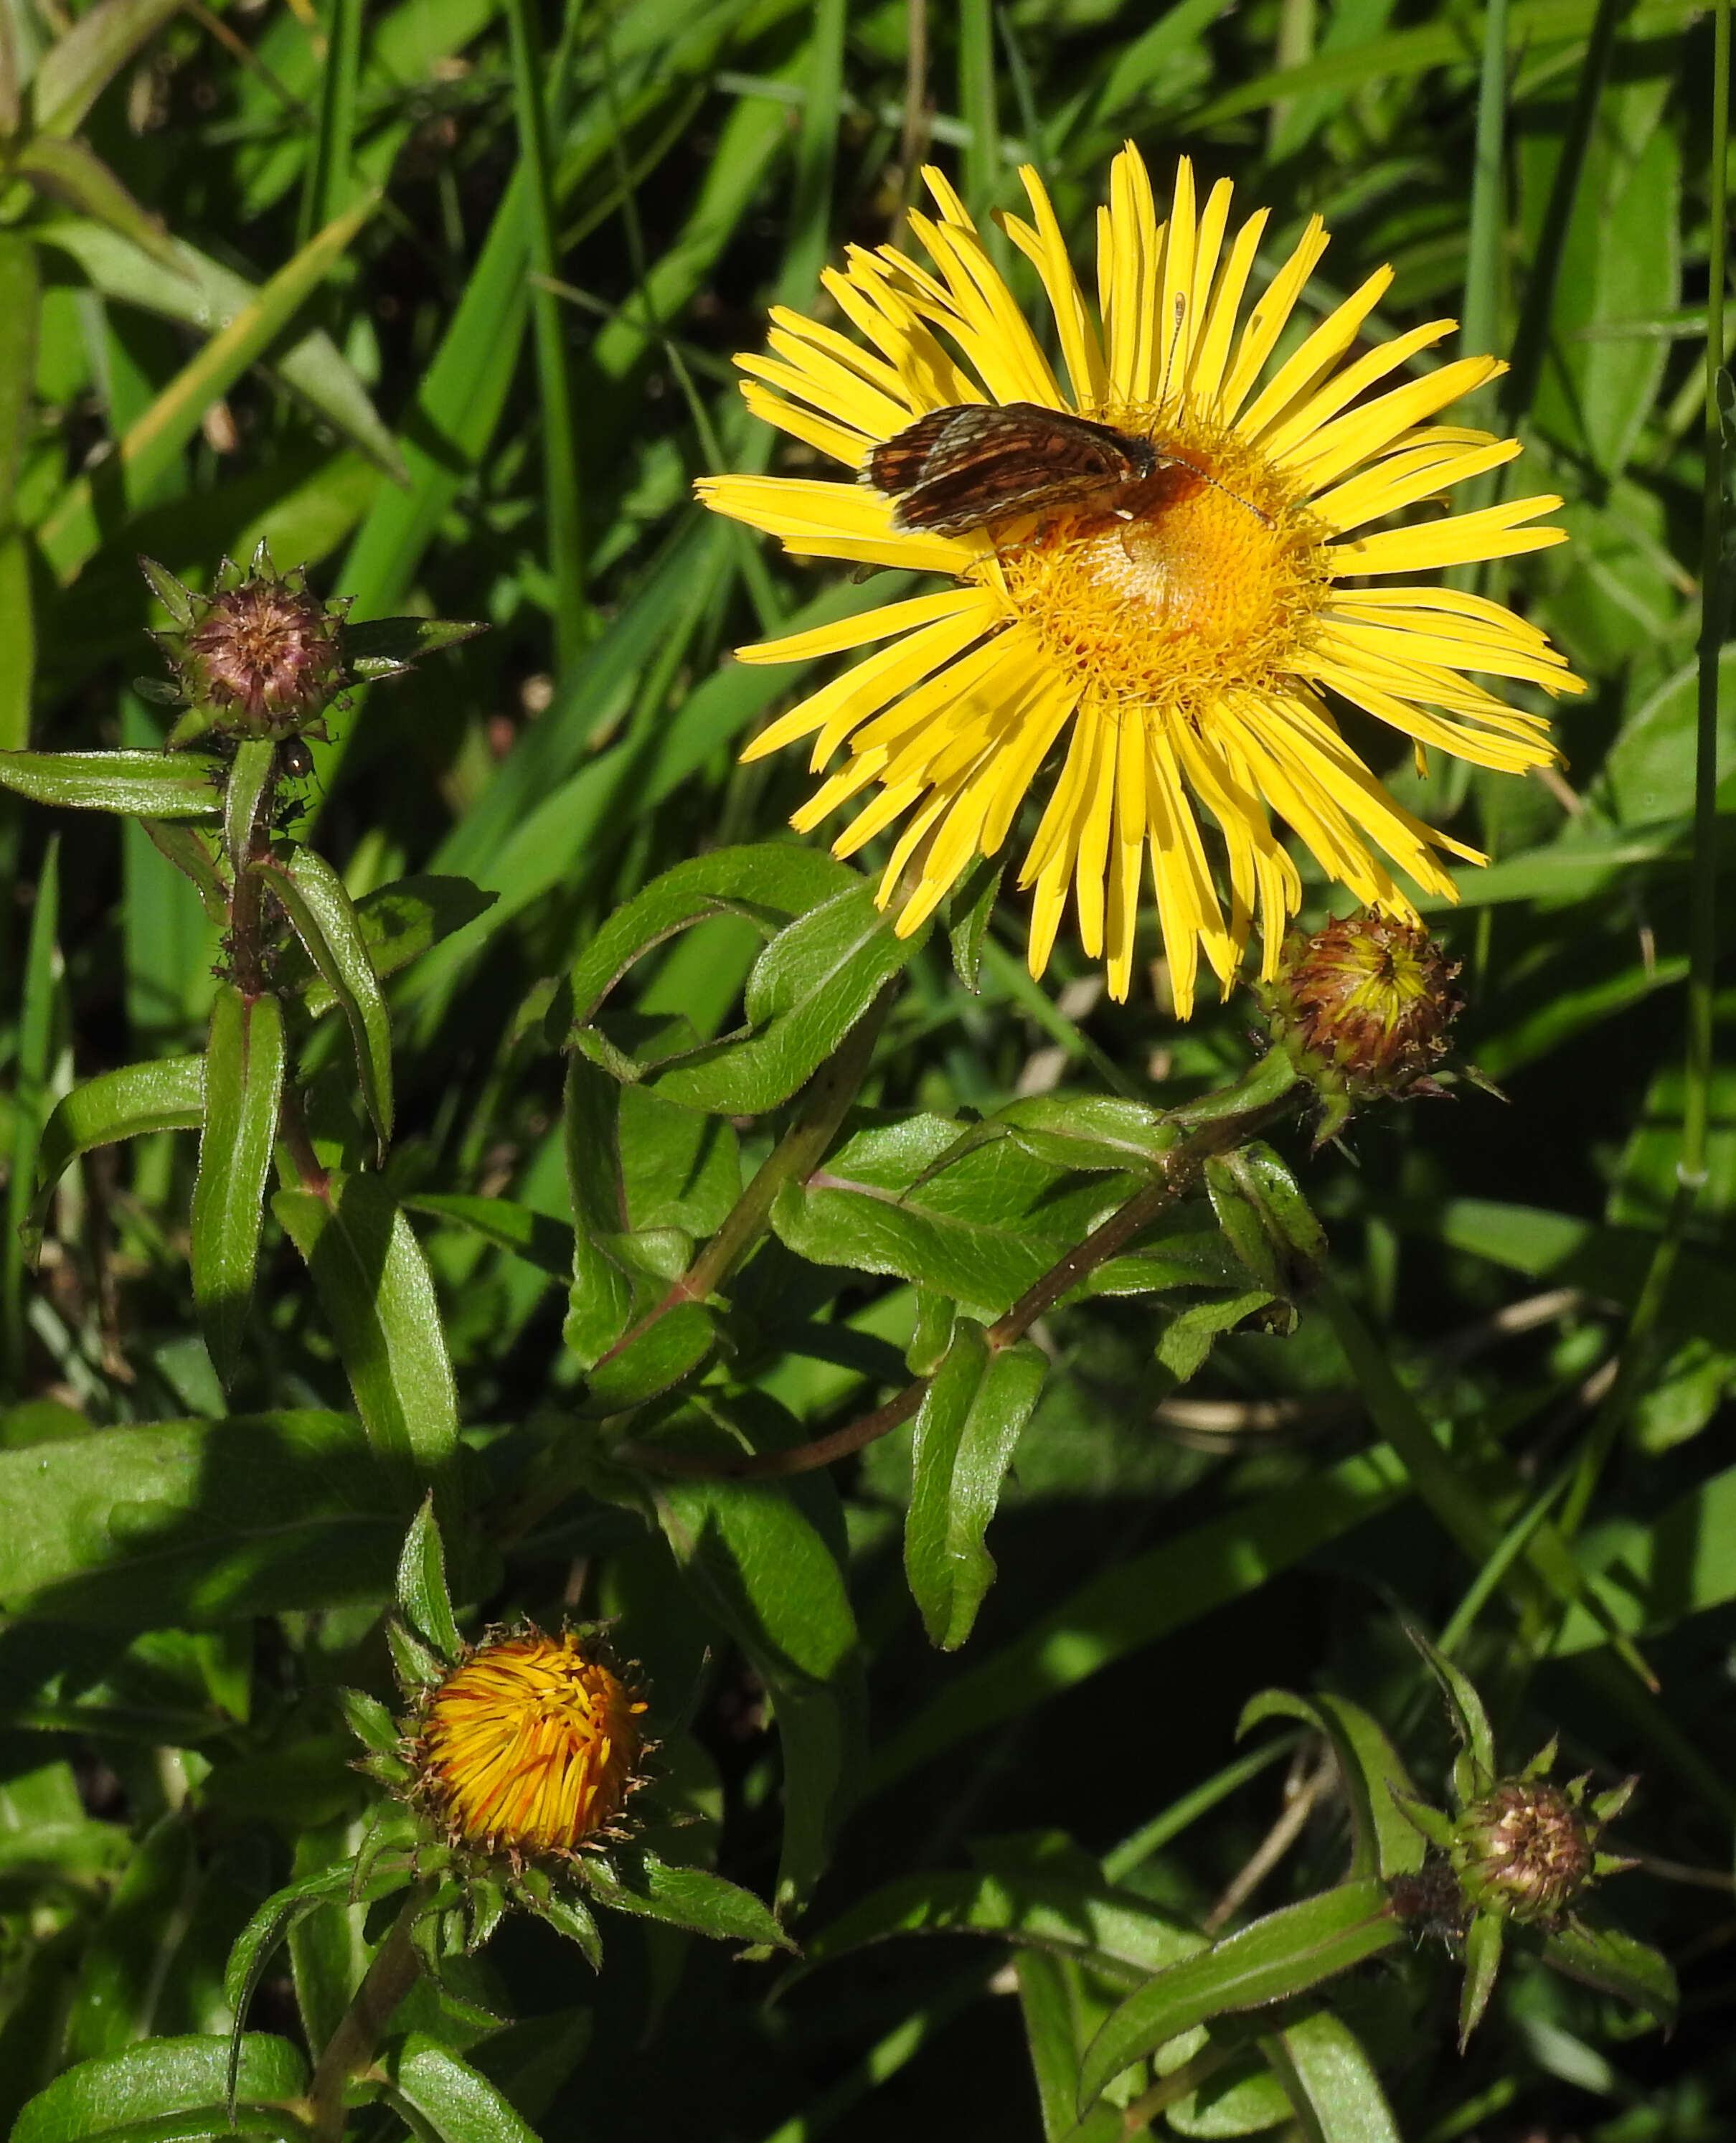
{"x":1161,"y":565}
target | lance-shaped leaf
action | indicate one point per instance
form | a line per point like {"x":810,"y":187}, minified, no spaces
{"x":194,"y":853}
{"x":1615,"y":1963}
{"x":243,"y":1082}
{"x":166,"y":1095}
{"x":387,"y":647}
{"x":454,"y":2103}
{"x":249,"y":774}
{"x":807,"y":990}
{"x":168,"y":2088}
{"x":149,"y":784}
{"x":422,"y":1588}
{"x":1069,"y":1914}
{"x":1330,"y":2081}
{"x":769,"y":882}
{"x":634,"y":1880}
{"x":766,"y":1562}
{"x":1473,"y":1771}
{"x":75,"y":175}
{"x":1483,"y":1967}
{"x":325,"y":919}
{"x":971,"y":1416}
{"x":1287,"y":1952}
{"x":399,"y":923}
{"x":1382,"y":1842}
{"x":375,"y":1287}
{"x":601,"y":1300}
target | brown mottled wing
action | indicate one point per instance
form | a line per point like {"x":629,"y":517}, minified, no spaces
{"x":969,"y":466}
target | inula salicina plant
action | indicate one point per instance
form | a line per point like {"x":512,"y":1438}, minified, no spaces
{"x":1061,"y":1474}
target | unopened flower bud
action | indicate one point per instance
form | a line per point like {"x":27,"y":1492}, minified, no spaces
{"x":261,"y":656}
{"x":1363,"y":1008}
{"x":1527,"y":1849}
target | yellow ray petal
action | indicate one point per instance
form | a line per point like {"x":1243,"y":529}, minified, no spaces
{"x":838,"y":708}
{"x":820,"y":520}
{"x":1314,"y":357}
{"x":1206,"y":382}
{"x":1046,"y":249}
{"x":1173,"y":327}
{"x":1384,"y":489}
{"x":1372,"y":425}
{"x":866,"y":626}
{"x":1290,"y":441}
{"x":836,"y":440}
{"x":1459,"y":540}
{"x":1267,"y":320}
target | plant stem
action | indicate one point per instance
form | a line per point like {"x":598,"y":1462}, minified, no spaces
{"x":351,"y":2047}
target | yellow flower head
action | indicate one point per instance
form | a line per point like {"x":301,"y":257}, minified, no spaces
{"x":1167,"y":638}
{"x":530,"y":1746}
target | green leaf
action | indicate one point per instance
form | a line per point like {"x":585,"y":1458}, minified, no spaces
{"x":422,"y":1587}
{"x":271,"y":1925}
{"x":194,"y":854}
{"x":1619,"y":261}
{"x":1330,"y":2081}
{"x":1088,"y":1130}
{"x":537,"y":1238}
{"x":1483,"y":1967}
{"x":387,"y":647}
{"x":982,"y":1230}
{"x":325,"y":919}
{"x":79,"y":65}
{"x":564,"y":1913}
{"x":971,"y":1416}
{"x":152,"y":444}
{"x":149,"y":784}
{"x":1470,"y":1720}
{"x":1185,"y":1340}
{"x":1113,"y":1931}
{"x":167,"y":1094}
{"x":250,"y":771}
{"x":244,"y":1081}
{"x":654,"y":1359}
{"x":191,"y":287}
{"x":770,"y":881}
{"x":969,"y":910}
{"x":1615,"y":1963}
{"x":376,"y":1289}
{"x":632,"y":1881}
{"x":808,"y":989}
{"x":602,"y":1297}
{"x":767,"y":1563}
{"x":1382,"y":1842}
{"x":197,"y":1521}
{"x":69,"y":172}
{"x":138,"y":2092}
{"x":1285,"y":1954}
{"x":399,"y":923}
{"x":459,"y":2105}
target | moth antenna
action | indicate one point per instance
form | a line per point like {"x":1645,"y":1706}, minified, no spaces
{"x":1259,"y":513}
{"x":1180,"y":312}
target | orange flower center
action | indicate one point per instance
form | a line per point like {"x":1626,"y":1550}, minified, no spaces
{"x":530,"y":1744}
{"x":1204,"y":580}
